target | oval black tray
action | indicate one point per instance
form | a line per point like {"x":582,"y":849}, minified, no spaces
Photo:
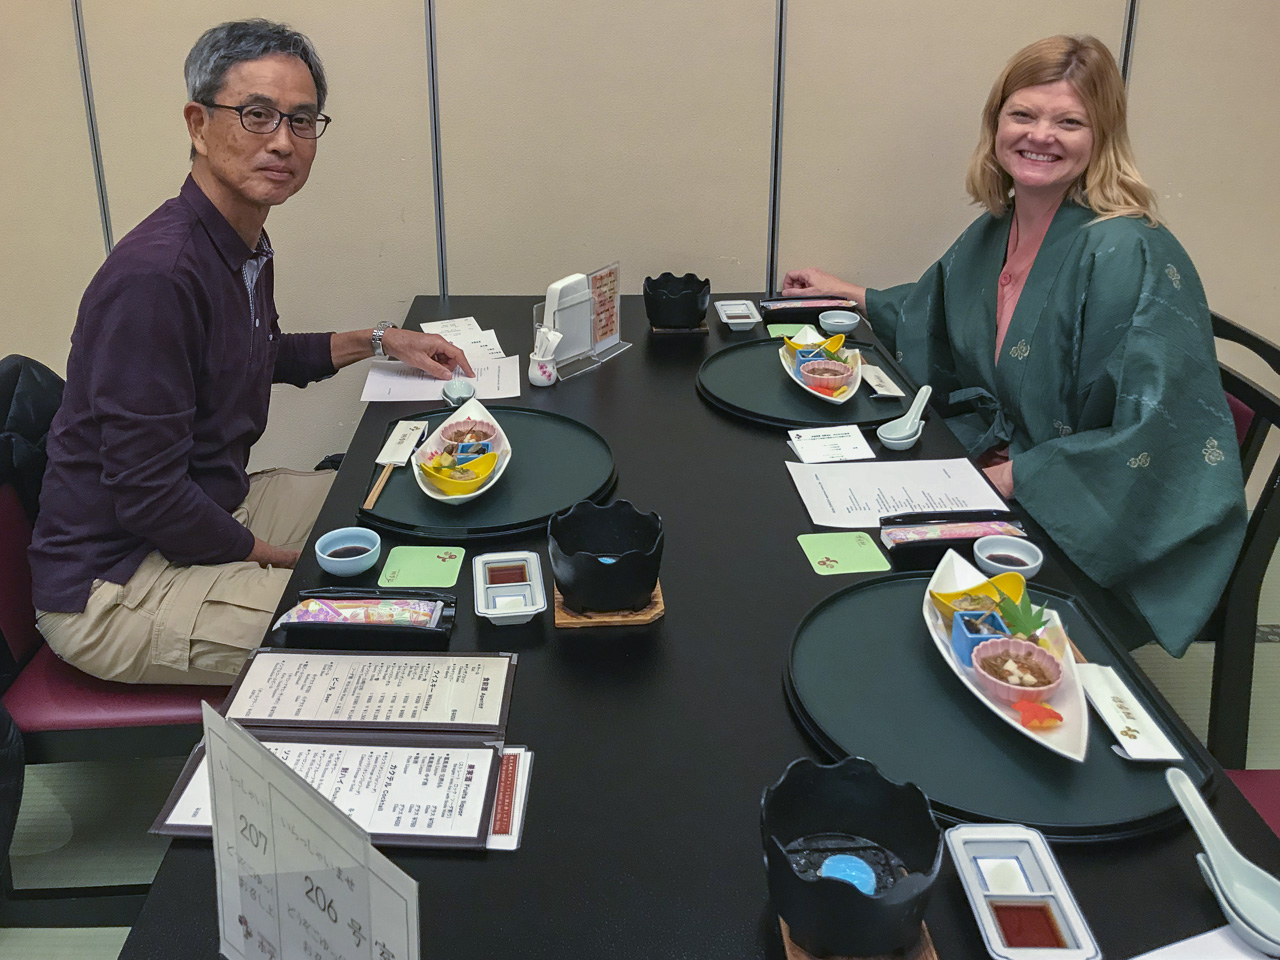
{"x":555,"y":462}
{"x":865,"y":679}
{"x":747,"y":380}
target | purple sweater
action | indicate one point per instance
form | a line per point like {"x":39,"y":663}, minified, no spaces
{"x":168,"y":382}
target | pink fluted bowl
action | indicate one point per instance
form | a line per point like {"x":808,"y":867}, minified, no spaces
{"x":1003,"y":692}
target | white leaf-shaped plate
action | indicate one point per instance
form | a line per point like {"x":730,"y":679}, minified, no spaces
{"x":810,"y":336}
{"x":471,"y":410}
{"x":1071,"y":737}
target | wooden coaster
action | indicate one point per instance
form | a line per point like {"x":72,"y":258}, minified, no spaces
{"x":700,"y":330}
{"x":566,"y":618}
{"x":923,"y":950}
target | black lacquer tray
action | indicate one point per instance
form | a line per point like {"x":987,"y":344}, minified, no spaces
{"x":747,"y":380}
{"x":865,"y":679}
{"x":555,"y":462}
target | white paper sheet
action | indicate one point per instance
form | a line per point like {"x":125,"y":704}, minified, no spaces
{"x":853,"y":495}
{"x":436,"y":689}
{"x":829,"y":444}
{"x":410,"y":791}
{"x":393,"y":380}
{"x":296,"y":879}
{"x":461,"y":327}
{"x":1220,"y":944}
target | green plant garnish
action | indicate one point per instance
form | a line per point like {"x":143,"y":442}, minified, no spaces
{"x":1021,"y":616}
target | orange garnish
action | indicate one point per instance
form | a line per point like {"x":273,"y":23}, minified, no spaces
{"x":1037,"y":716}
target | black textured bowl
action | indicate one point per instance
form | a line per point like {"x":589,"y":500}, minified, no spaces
{"x":605,"y":558}
{"x":830,"y":917}
{"x":673,"y":302}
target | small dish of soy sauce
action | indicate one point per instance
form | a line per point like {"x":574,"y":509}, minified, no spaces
{"x":1001,"y":554}
{"x":348,"y":551}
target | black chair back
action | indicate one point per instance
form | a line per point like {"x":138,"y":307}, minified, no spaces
{"x":1234,"y":625}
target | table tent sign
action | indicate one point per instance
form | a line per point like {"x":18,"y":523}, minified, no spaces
{"x":296,"y":879}
{"x":585,"y":309}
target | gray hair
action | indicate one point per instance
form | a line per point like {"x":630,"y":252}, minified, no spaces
{"x":237,"y":41}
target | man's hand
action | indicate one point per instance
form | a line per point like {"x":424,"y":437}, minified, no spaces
{"x":271,"y":556}
{"x":426,"y":351}
{"x":812,"y":282}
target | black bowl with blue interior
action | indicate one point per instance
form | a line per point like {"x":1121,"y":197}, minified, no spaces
{"x":605,"y":558}
{"x":676,"y":303}
{"x":851,"y":857}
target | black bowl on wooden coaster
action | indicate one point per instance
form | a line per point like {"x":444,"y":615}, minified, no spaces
{"x":817,"y":812}
{"x":676,"y":303}
{"x":605,"y":558}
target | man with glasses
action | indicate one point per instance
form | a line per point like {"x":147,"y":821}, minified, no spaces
{"x":155,"y":557}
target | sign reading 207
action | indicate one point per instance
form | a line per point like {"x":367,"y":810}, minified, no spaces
{"x":251,"y":833}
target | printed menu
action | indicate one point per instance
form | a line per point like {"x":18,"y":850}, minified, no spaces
{"x":409,"y":746}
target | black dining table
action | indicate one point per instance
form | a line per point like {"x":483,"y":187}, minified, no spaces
{"x":653,"y":744}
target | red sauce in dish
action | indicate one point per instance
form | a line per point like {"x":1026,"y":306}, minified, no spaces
{"x":1028,"y":925}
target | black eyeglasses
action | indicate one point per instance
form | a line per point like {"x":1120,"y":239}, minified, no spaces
{"x":258,"y":118}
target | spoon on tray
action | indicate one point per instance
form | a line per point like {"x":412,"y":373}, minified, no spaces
{"x":903,"y":432}
{"x":1243,"y":930}
{"x":1253,"y":893}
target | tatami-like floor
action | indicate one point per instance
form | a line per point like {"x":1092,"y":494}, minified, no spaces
{"x":63,"y":838}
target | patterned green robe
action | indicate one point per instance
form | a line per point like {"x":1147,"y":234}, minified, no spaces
{"x":1107,"y":393}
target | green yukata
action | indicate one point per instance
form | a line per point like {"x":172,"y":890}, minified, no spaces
{"x":1107,"y":395}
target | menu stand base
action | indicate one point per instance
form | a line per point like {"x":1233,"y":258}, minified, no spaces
{"x":923,"y":950}
{"x":566,"y":618}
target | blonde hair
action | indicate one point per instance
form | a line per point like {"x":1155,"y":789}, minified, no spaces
{"x":1111,"y":185}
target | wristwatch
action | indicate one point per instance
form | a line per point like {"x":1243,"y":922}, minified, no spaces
{"x":382,"y":327}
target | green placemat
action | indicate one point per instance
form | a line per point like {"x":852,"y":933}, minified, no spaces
{"x":747,"y":380}
{"x":422,"y":567}
{"x":555,"y":462}
{"x":865,"y":676}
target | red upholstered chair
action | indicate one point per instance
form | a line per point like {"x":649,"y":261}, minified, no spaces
{"x":1262,"y":789}
{"x":1234,"y":625}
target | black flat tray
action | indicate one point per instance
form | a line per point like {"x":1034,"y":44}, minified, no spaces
{"x":556,"y":461}
{"x":865,"y":679}
{"x":747,"y":380}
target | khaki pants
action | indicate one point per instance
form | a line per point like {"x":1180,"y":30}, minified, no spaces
{"x":196,"y":624}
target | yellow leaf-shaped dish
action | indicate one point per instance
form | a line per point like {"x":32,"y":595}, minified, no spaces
{"x":439,"y":478}
{"x":833,"y":344}
{"x":1013,"y":584}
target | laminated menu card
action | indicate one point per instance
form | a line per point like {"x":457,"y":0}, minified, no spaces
{"x":409,"y":745}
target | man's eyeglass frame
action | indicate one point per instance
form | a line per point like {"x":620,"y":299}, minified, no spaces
{"x":319,"y":119}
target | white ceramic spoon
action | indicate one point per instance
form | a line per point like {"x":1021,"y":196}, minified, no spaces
{"x":1244,"y":931}
{"x":1252,"y":892}
{"x":908,"y":425}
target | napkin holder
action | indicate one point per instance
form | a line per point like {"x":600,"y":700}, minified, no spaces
{"x":570,"y":311}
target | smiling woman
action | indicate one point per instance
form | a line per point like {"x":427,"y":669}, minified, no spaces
{"x":1068,"y":333}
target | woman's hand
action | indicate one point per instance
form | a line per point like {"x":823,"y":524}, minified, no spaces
{"x":426,"y":351}
{"x":812,"y":282}
{"x":1001,"y":477}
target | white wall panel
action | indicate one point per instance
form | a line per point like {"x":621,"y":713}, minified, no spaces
{"x":51,"y":242}
{"x":583,"y":132}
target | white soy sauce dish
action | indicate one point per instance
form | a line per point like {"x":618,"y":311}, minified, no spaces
{"x":992,"y":554}
{"x":838,"y":321}
{"x":348,"y":551}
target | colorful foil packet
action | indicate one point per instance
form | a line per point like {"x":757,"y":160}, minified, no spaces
{"x":421,"y":614}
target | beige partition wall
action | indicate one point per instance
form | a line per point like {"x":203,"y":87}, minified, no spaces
{"x":880,"y":115}
{"x":51,"y":242}
{"x":1202,"y":94}
{"x":581,"y":132}
{"x":358,"y":242}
